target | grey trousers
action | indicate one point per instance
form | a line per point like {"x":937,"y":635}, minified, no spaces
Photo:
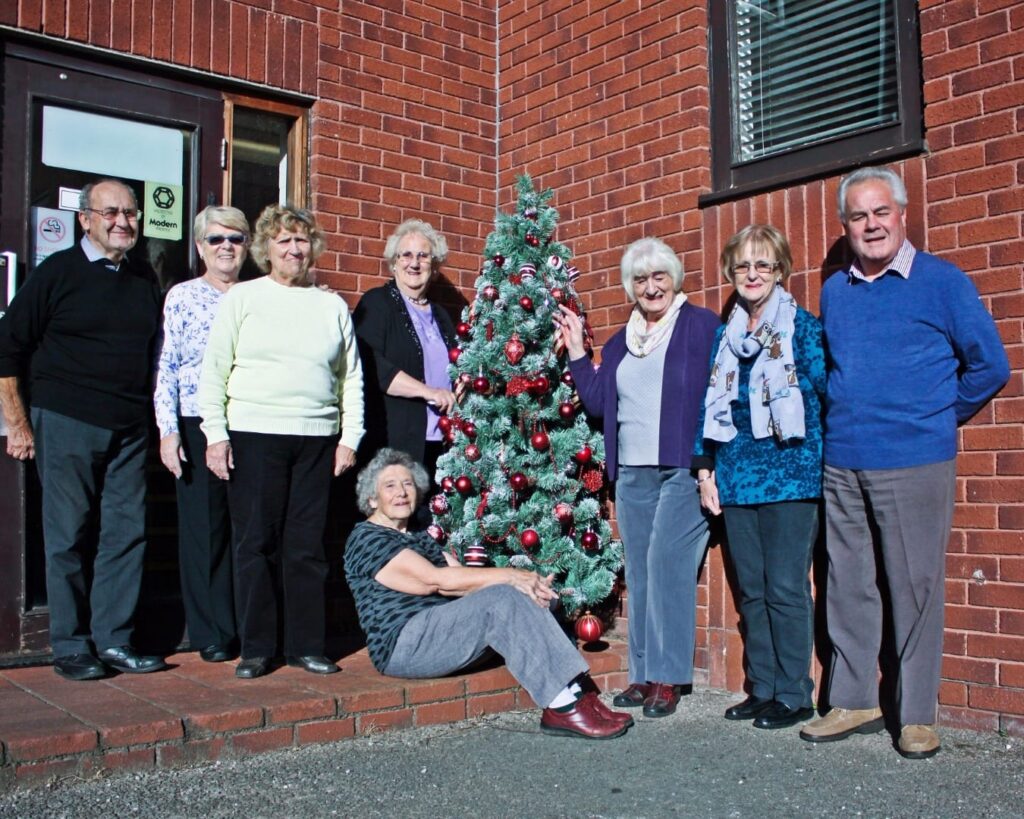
{"x":94,"y":529}
{"x":665,"y":535}
{"x":447,"y":638}
{"x":910,"y":512}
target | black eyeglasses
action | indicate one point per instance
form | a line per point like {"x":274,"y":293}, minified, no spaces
{"x":111,"y":214}
{"x":215,"y":239}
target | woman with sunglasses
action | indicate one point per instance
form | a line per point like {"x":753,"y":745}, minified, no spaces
{"x":405,"y":339}
{"x":281,"y":396}
{"x":204,"y":529}
{"x":758,"y":460}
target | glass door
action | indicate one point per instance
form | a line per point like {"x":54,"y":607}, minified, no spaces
{"x":67,"y":121}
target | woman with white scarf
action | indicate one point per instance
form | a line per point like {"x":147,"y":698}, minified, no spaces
{"x":648,"y":390}
{"x":758,"y":461}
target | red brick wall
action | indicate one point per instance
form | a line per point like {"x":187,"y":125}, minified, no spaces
{"x":405,"y":123}
{"x":433,"y":108}
{"x":608,"y":103}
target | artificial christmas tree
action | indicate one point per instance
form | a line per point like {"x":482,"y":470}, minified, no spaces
{"x":523,"y":481}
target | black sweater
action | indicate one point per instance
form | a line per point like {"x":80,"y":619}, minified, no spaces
{"x":84,"y":334}
{"x":388,"y":344}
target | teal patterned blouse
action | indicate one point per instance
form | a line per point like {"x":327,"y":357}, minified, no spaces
{"x":751,"y":471}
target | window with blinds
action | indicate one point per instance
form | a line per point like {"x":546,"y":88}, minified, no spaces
{"x":804,"y":88}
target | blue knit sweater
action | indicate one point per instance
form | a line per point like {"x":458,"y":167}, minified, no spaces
{"x":909,"y":360}
{"x":752,"y":470}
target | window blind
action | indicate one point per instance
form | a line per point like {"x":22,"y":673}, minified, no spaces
{"x":806,"y":71}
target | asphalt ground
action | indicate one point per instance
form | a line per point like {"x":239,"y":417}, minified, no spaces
{"x":693,"y":763}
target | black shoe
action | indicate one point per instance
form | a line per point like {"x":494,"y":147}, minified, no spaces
{"x":216,"y":654}
{"x":748,"y":709}
{"x":79,"y":667}
{"x":780,"y":715}
{"x":252,"y":667}
{"x":314,"y":664}
{"x":128,"y":660}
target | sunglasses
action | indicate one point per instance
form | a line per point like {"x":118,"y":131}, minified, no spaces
{"x":215,"y":239}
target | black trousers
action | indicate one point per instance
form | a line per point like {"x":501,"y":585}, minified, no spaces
{"x":278,"y":496}
{"x":204,"y":545}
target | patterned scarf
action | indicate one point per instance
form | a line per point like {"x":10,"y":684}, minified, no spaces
{"x":642,"y":342}
{"x":776,"y":405}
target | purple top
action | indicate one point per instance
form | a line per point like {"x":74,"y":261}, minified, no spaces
{"x":684,"y":381}
{"x":435,"y":359}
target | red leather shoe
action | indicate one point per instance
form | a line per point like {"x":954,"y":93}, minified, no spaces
{"x":662,"y":700}
{"x":615,"y":716}
{"x":583,"y":721}
{"x":632,"y":697}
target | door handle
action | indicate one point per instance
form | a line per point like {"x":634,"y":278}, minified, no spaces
{"x":10,"y":259}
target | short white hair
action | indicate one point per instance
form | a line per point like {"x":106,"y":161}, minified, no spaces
{"x":886,"y":175}
{"x":646,"y":256}
{"x":438,"y":245}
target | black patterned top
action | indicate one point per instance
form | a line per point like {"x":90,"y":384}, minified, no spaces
{"x":383,"y":612}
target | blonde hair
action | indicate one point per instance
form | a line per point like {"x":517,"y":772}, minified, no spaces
{"x":276,"y":218}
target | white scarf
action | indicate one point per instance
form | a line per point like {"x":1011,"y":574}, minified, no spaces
{"x":642,"y":342}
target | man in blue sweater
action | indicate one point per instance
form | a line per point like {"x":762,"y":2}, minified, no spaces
{"x":912,"y":354}
{"x":82,"y":331}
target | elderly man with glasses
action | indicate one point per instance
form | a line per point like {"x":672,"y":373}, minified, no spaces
{"x":83,"y":329}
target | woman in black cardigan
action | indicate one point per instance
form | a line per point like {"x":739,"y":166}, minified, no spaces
{"x":404,"y":341}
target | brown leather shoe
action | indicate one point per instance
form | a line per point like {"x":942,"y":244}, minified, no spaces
{"x":615,"y":716}
{"x":918,"y":742}
{"x":583,"y":721}
{"x":661,"y":700}
{"x":839,"y":723}
{"x":632,"y":697}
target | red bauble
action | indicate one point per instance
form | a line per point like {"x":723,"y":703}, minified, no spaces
{"x":532,"y":240}
{"x":490,"y":292}
{"x":453,"y":355}
{"x":584,"y":455}
{"x":463,"y":329}
{"x":589,"y":628}
{"x":463,"y":485}
{"x":436,"y":532}
{"x":481,"y":385}
{"x":439,"y":504}
{"x":515,"y":278}
{"x":514,"y":349}
{"x":444,"y":423}
{"x":592,"y":479}
{"x":529,"y":538}
{"x":469,"y":430}
{"x":567,"y":411}
{"x":540,"y":441}
{"x":567,"y":378}
{"x":590,"y":541}
{"x":557,"y":294}
{"x":449,"y":436}
{"x":517,"y":385}
{"x":563,"y":513}
{"x":540,"y":385}
{"x":518,"y":481}
{"x":498,"y":259}
{"x":473,"y":452}
{"x":447,"y":484}
{"x":476,"y":555}
{"x":526,"y":303}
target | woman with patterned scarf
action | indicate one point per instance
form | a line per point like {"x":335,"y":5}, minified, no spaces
{"x":759,"y":462}
{"x":648,"y":389}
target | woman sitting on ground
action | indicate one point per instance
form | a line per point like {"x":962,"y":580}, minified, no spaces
{"x":425,"y":615}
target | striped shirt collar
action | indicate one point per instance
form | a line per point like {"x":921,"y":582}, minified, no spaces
{"x":900,"y":264}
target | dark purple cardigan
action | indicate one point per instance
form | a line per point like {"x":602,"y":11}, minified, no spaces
{"x":685,"y":380}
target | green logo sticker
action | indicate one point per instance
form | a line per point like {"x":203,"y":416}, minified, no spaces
{"x":161,"y":211}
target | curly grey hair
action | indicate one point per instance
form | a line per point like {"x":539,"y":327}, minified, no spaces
{"x":366,"y":483}
{"x":886,"y":175}
{"x":438,"y":244}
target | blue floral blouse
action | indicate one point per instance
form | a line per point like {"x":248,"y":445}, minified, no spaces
{"x":189,"y":311}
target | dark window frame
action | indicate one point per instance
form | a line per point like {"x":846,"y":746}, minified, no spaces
{"x":904,"y":138}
